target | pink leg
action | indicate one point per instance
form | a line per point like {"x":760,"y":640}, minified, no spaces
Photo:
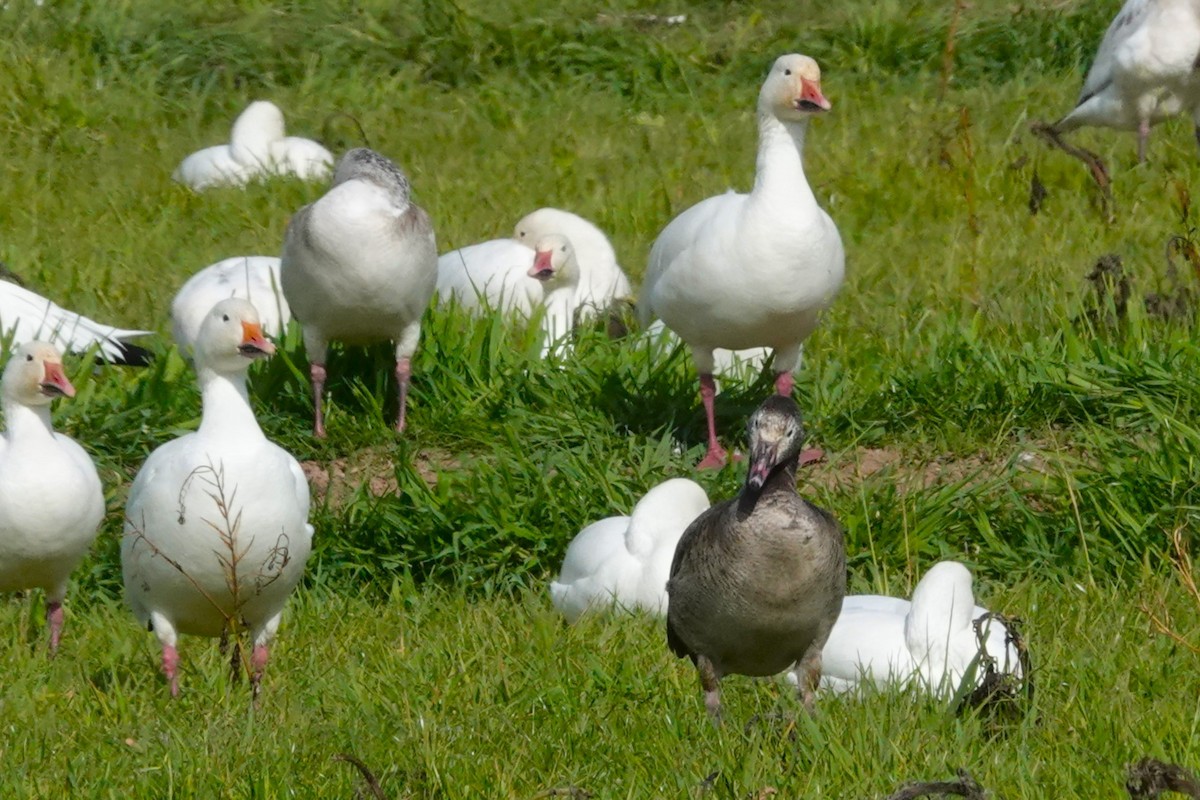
{"x":1143,"y":136}
{"x":258,"y":665}
{"x":170,"y":667}
{"x":54,"y":620}
{"x":715,"y":457}
{"x":784,"y":384}
{"x":403,"y":372}
{"x":316,"y":374}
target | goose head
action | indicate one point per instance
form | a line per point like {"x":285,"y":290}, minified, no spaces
{"x":776,"y":435}
{"x":364,"y":164}
{"x":254,"y":130}
{"x":554,"y":262}
{"x":231,"y":337}
{"x":792,"y":90}
{"x":34,"y":375}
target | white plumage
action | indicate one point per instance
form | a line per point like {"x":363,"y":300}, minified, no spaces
{"x":253,"y":278}
{"x":216,"y":524}
{"x":928,"y":643}
{"x":258,"y":147}
{"x":27,"y":316}
{"x":359,"y":266}
{"x":51,"y":501}
{"x":1145,"y":70}
{"x":624,"y":562}
{"x":752,"y":270}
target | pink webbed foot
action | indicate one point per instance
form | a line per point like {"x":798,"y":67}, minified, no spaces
{"x":713,"y":459}
{"x":54,"y":621}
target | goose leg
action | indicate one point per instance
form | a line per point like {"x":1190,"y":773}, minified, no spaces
{"x":403,"y":373}
{"x":54,"y":621}
{"x":808,"y":676}
{"x":258,"y":665}
{"x":715,"y":457}
{"x":1143,"y":137}
{"x":316,"y":373}
{"x":710,"y":683}
{"x":170,"y":667}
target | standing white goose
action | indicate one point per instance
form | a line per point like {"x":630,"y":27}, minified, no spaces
{"x":27,"y":316}
{"x":928,"y":643}
{"x":360,"y":266}
{"x":216,"y":525}
{"x":601,"y":279}
{"x":1144,"y":72}
{"x":257,"y":147}
{"x":752,"y":270}
{"x":51,"y":502}
{"x":625,"y":561}
{"x":253,"y":278}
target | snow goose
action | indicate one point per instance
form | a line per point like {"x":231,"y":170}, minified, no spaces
{"x":1144,"y":72}
{"x":602,"y":282}
{"x":739,"y":271}
{"x":51,"y":502}
{"x":757,"y":581}
{"x":257,"y":147}
{"x":216,"y":525}
{"x":27,"y":316}
{"x":253,"y":278}
{"x":928,"y":643}
{"x":623,"y":562}
{"x":360,"y":265}
{"x":509,"y":277}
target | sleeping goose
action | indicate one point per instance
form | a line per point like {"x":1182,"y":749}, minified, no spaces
{"x":929,"y":642}
{"x":1144,"y":72}
{"x":360,"y":265}
{"x":624,"y":562}
{"x":27,"y":316}
{"x":757,"y":581}
{"x":253,"y":278}
{"x":601,"y":279}
{"x":51,"y":502}
{"x":257,"y":147}
{"x":216,"y":524}
{"x":752,"y":270}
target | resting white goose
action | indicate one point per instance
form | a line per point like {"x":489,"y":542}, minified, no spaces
{"x":51,"y":502}
{"x":27,"y":316}
{"x":928,"y":643}
{"x":601,"y":279}
{"x":757,"y":270}
{"x":253,"y":278}
{"x":360,"y":265}
{"x":257,"y":147}
{"x":506,"y":276}
{"x":624,"y":562}
{"x":216,"y":525}
{"x":1144,"y":72}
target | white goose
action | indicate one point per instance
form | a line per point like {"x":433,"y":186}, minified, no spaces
{"x":1144,"y":72}
{"x":739,"y":271}
{"x":216,"y":525}
{"x":601,"y":279}
{"x":624,"y":562}
{"x":27,"y":316}
{"x":51,"y":502}
{"x":257,"y":147}
{"x":506,"y":276}
{"x":928,"y":643}
{"x":253,"y":278}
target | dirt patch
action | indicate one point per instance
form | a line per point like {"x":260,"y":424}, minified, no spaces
{"x":373,"y":468}
{"x":913,"y":472}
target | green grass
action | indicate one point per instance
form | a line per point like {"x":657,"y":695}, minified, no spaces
{"x":422,"y":641}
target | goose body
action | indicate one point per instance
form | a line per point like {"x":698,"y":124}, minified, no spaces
{"x":253,"y":278}
{"x":27,"y":317}
{"x":602,"y":282}
{"x":928,"y":642}
{"x":740,"y":271}
{"x":51,"y":501}
{"x":359,"y":265}
{"x":257,"y":148}
{"x":624,"y":562}
{"x":1145,"y":70}
{"x":757,"y":581}
{"x":216,"y":524}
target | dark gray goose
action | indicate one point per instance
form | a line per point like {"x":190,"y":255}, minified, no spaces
{"x":360,"y":265}
{"x":757,"y":581}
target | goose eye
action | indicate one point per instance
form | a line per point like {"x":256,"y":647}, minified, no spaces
{"x":521,"y":234}
{"x":787,"y":72}
{"x":225,"y":318}
{"x":564,"y":248}
{"x":29,"y":357}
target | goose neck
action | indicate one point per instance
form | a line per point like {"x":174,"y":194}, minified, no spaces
{"x":225,"y":405}
{"x":27,"y":422}
{"x":780,"y":163}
